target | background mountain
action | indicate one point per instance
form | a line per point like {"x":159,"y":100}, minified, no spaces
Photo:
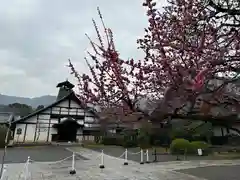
{"x":33,"y":102}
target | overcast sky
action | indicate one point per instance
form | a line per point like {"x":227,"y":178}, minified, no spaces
{"x":38,"y":36}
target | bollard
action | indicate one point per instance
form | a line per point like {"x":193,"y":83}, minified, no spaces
{"x":141,"y":162}
{"x":147,"y":161}
{"x":101,"y":166}
{"x":125,"y":159}
{"x":73,"y":170}
{"x":27,"y":169}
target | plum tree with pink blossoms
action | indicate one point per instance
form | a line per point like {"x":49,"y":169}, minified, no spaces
{"x":192,"y":47}
{"x":188,"y":46}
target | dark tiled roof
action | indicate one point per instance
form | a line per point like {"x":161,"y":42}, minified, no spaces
{"x":66,"y":83}
{"x":63,"y":92}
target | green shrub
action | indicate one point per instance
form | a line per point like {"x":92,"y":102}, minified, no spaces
{"x":180,"y":146}
{"x":195,"y":145}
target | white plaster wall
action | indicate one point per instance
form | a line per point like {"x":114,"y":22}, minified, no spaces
{"x":74,"y":104}
{"x":51,"y":132}
{"x":55,"y":110}
{"x":42,"y":133}
{"x":88,"y":138}
{"x":63,"y":103}
{"x":89,"y":119}
{"x":44,"y":117}
{"x":73,"y":111}
{"x":54,"y":121}
{"x":64,"y":108}
{"x":79,"y":138}
{"x":32,"y":119}
{"x":41,"y":117}
{"x":30,"y":132}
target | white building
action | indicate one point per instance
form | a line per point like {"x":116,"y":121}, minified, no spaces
{"x":67,"y":119}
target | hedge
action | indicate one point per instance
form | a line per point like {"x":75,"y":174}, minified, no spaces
{"x":181,"y":146}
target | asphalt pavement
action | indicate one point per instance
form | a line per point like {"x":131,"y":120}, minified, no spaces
{"x":36,"y":153}
{"x":215,"y":172}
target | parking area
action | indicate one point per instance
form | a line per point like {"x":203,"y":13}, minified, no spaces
{"x":36,"y":153}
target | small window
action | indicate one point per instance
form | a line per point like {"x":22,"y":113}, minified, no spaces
{"x":19,"y":131}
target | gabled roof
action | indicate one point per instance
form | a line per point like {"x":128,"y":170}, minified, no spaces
{"x":71,"y":95}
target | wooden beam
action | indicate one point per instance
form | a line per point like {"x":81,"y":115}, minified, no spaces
{"x":35,"y":134}
{"x":49,"y":125}
{"x":25,"y":131}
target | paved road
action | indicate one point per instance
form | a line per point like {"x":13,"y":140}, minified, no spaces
{"x":37,"y":153}
{"x":215,"y":172}
{"x":114,"y":168}
{"x":219,"y":172}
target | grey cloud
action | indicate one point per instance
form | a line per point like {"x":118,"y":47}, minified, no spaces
{"x":37,"y":37}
